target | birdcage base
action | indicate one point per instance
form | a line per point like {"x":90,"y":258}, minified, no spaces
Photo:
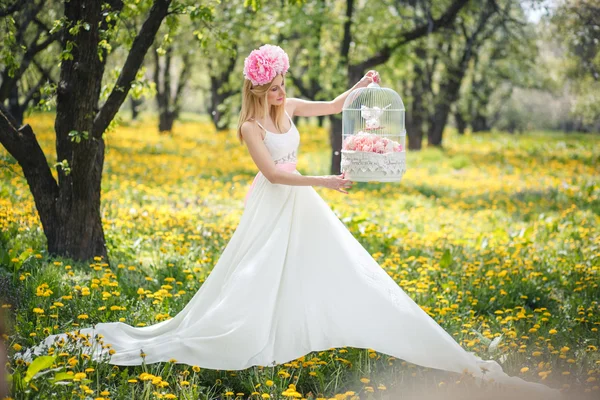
{"x":360,"y":166}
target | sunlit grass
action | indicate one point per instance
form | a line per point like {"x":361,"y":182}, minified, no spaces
{"x":494,"y":235}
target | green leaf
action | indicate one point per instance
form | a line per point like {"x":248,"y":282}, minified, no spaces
{"x":39,"y":364}
{"x":446,"y":260}
{"x":62,"y":376}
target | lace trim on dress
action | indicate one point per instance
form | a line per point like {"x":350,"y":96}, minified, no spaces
{"x":290,"y":157}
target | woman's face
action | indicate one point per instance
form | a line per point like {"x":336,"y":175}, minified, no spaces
{"x":276,"y":94}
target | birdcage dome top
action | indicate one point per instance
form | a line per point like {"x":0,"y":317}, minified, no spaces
{"x":373,"y":96}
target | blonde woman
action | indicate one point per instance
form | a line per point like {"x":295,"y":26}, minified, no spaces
{"x":292,"y":279}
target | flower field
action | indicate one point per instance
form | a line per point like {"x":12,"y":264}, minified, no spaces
{"x":495,"y":237}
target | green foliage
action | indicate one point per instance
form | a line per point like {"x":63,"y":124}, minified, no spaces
{"x":9,"y":48}
{"x":77,"y":136}
{"x":64,"y":165}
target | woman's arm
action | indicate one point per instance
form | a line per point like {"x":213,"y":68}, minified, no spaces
{"x":307,"y":108}
{"x":252,"y":135}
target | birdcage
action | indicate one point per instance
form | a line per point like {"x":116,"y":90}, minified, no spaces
{"x":373,"y":146}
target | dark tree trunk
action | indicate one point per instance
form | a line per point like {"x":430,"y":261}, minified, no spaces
{"x":77,"y":230}
{"x":135,"y":108}
{"x":461,"y":123}
{"x":320,"y":121}
{"x":480,"y":123}
{"x":217,"y":97}
{"x":448,"y":94}
{"x":166,"y":119}
{"x":219,"y":92}
{"x":14,"y":107}
{"x":416,"y":117}
{"x":335,"y":139}
{"x":70,"y":208}
{"x":169,"y":106}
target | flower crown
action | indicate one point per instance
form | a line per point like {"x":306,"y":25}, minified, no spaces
{"x":262,"y":65}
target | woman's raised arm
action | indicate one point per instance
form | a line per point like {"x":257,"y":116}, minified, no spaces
{"x":307,"y":108}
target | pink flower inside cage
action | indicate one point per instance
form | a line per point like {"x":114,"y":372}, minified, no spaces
{"x":367,"y":142}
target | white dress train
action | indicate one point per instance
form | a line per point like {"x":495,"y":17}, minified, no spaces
{"x":292,"y":280}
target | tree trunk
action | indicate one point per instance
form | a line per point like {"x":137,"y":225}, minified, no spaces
{"x":480,"y":123}
{"x":217,"y":97}
{"x":461,"y":123}
{"x":13,"y":105}
{"x":135,"y":108}
{"x":77,"y":230}
{"x":219,"y":93}
{"x":335,"y":139}
{"x":166,"y":121}
{"x":448,"y":94}
{"x":416,"y":117}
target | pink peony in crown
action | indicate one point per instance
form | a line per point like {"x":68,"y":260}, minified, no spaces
{"x":262,"y":65}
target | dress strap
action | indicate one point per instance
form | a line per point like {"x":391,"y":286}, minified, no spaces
{"x":259,"y":124}
{"x":286,"y":113}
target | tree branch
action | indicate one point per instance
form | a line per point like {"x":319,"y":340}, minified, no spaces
{"x":347,"y":39}
{"x":11,"y":9}
{"x":386,"y":52}
{"x":134,"y":60}
{"x":23,"y":146}
{"x":183,"y":78}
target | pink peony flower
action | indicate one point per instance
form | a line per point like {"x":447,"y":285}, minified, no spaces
{"x":379,"y":147}
{"x":262,"y":65}
{"x":369,"y":142}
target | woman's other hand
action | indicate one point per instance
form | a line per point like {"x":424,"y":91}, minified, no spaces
{"x":336,"y":182}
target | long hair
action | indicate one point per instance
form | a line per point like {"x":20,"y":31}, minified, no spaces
{"x":254,"y":105}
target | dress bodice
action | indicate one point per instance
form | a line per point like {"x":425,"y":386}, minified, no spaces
{"x":283,"y":146}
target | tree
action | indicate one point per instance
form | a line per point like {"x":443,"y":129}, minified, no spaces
{"x":168,"y":95}
{"x":234,"y":29}
{"x":576,"y":24}
{"x":472,"y":31}
{"x":28,"y":33}
{"x":364,"y":45}
{"x":69,"y":208}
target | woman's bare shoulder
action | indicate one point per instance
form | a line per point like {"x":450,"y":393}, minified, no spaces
{"x":251,"y":128}
{"x":290,"y":105}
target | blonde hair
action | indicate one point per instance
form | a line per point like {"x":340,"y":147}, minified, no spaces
{"x":255,"y":105}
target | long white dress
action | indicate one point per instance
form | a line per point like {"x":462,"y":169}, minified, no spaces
{"x":292,"y":280}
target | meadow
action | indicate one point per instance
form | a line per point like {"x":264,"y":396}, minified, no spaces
{"x":495,"y":236}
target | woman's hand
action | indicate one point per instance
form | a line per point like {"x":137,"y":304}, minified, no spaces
{"x":371,"y":76}
{"x":336,"y":182}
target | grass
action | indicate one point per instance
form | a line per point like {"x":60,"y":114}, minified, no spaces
{"x":495,"y":235}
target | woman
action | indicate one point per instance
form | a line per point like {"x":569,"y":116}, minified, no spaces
{"x":292,"y":279}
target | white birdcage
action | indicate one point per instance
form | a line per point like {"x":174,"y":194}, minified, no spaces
{"x":373,"y":147}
